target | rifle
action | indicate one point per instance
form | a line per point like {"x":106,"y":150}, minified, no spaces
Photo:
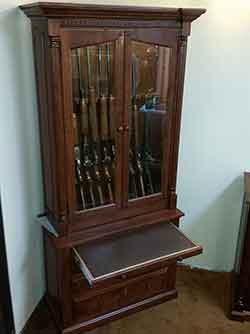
{"x":79,"y":178}
{"x":106,"y":162}
{"x":147,"y":155}
{"x":111,"y":103}
{"x":132,"y":179}
{"x":82,"y":93}
{"x":135,"y":132}
{"x":84,"y":126}
{"x":103,"y":88}
{"x":94,"y":128}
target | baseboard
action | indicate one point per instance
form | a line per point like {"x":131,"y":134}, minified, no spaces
{"x":125,"y":311}
{"x":33,"y":316}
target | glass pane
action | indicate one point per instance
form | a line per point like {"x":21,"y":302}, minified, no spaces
{"x":150,"y":74}
{"x":93,"y":124}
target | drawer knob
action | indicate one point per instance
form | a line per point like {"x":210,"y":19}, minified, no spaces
{"x":124,"y":276}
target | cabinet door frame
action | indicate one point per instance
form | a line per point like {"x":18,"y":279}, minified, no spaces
{"x":166,"y":38}
{"x":83,"y":37}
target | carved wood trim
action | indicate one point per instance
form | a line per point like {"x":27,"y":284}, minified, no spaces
{"x":68,"y":10}
{"x":54,"y":42}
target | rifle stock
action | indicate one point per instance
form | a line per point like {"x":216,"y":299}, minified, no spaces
{"x":93,"y":114}
{"x":112,"y":117}
{"x":104,"y":118}
{"x":84,"y":118}
{"x":78,"y":165}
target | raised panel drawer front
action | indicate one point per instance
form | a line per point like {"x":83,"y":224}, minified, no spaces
{"x":129,"y":252}
{"x":103,"y":303}
{"x":90,"y":302}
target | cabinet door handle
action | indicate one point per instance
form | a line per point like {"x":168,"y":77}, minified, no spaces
{"x":127,"y":128}
{"x":120,"y":129}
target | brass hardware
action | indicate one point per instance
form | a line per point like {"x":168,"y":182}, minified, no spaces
{"x":120,"y":129}
{"x":127,"y":128}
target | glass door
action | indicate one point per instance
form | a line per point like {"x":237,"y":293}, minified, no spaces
{"x":92,"y":64}
{"x":151,"y":68}
{"x":93,"y":115}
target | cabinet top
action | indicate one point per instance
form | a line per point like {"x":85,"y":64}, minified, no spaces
{"x":57,"y":10}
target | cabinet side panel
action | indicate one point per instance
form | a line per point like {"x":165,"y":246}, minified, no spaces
{"x":51,"y":268}
{"x":39,"y":40}
{"x":47,"y":67}
{"x":52,"y":277}
{"x":55,"y":98}
{"x":179,"y":86}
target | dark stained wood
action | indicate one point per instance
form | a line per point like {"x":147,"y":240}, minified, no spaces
{"x":127,"y":224}
{"x":176,"y":115}
{"x":163,"y":37}
{"x":240,"y":301}
{"x":120,"y":312}
{"x":82,"y":290}
{"x":148,"y":285}
{"x":57,"y":28}
{"x":119,"y":12}
{"x":247,"y":186}
{"x":47,"y":67}
{"x":106,"y":258}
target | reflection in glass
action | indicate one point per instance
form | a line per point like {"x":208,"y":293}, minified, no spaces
{"x":93,"y":125}
{"x":150,"y":66}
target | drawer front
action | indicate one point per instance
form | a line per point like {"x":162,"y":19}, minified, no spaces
{"x":92,"y":302}
{"x":98,"y":305}
{"x":160,"y":281}
{"x":80,"y":284}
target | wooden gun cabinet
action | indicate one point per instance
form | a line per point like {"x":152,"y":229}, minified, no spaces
{"x":110,"y":85}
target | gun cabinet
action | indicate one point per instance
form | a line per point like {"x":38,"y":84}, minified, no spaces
{"x":109,"y":86}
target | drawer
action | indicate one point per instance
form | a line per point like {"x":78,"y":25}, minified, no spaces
{"x":80,"y":284}
{"x":124,"y":256}
{"x":100,"y":304}
{"x":94,"y":301}
{"x":155,"y":284}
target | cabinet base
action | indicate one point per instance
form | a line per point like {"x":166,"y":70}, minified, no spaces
{"x":240,"y":316}
{"x":100,"y":320}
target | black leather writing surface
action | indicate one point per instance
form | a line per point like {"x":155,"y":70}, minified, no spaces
{"x":134,"y":249}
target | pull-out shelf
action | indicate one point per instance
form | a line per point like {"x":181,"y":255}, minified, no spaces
{"x":101,"y":260}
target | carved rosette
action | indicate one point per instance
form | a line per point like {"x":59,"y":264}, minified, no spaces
{"x":54,"y":42}
{"x":183,"y":41}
